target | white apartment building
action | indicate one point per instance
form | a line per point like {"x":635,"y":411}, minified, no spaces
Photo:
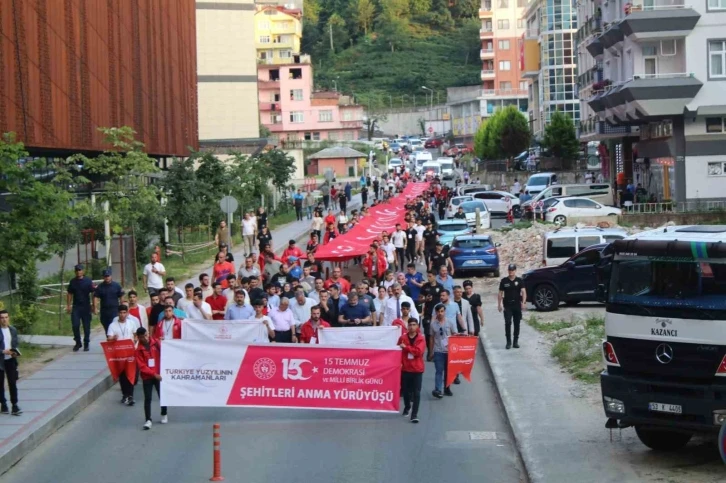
{"x":652,"y":85}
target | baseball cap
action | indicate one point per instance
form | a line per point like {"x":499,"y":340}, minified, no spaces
{"x":512,"y":267}
{"x":106,"y":272}
{"x":468,"y":283}
{"x":78,"y":267}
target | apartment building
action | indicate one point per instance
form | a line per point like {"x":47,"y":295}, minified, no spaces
{"x":652,"y":85}
{"x":292,"y":111}
{"x":501,"y":30}
{"x":278,"y":33}
{"x":549,"y":60}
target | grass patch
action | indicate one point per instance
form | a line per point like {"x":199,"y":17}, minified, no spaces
{"x":578,"y":351}
{"x":31,"y":352}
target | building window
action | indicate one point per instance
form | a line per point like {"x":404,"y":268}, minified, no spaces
{"x":296,"y":117}
{"x":504,"y":45}
{"x":264,"y":39}
{"x":348,"y":136}
{"x":263,"y":25}
{"x":316,"y":136}
{"x":325,"y":116}
{"x":347,"y":115}
{"x":296,"y":94}
{"x":717,"y":169}
{"x":285,"y":54}
{"x":505,"y":85}
{"x":717,"y":4}
{"x":503,"y":3}
{"x":717,"y":58}
{"x":332,"y":136}
{"x":308,"y":136}
{"x":668,"y":47}
{"x":714,"y":124}
{"x":505,"y":65}
{"x":520,"y":23}
{"x":523,"y":85}
{"x":296,"y":74}
{"x":503,"y":24}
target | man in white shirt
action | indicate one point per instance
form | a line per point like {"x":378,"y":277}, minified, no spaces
{"x":249,"y":269}
{"x":284,"y":322}
{"x":199,"y":309}
{"x":390,"y":251}
{"x":392,"y":306}
{"x":154,"y":274}
{"x":204,"y":285}
{"x":124,"y":327}
{"x":300,"y":307}
{"x":249,"y":229}
{"x":188,"y":299}
{"x":398,"y":238}
{"x":419,"y":238}
{"x":516,"y":188}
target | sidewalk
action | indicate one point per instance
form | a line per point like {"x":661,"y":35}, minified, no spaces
{"x":55,"y":394}
{"x":559,"y":423}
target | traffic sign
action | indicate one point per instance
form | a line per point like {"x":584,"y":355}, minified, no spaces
{"x":431,"y":129}
{"x":228,"y":204}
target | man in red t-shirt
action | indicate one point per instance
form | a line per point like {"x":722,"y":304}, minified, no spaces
{"x":309,"y":330}
{"x":337,"y":278}
{"x":217,"y":301}
{"x":292,"y":251}
{"x":221,"y":269}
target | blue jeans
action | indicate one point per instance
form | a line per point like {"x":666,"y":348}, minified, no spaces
{"x":440,"y":362}
{"x":310,"y":212}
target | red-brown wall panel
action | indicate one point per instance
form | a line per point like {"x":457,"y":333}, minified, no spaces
{"x":85,"y":64}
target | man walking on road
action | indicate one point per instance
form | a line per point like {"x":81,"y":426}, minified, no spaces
{"x":512,"y":298}
{"x":8,"y":364}
{"x":148,"y":360}
{"x":154,"y":274}
{"x":123,"y":328}
{"x":440,"y":331}
{"x":413,"y":345}
{"x":477,"y":313}
{"x":109,"y":293}
{"x":80,"y":303}
{"x":297,"y":200}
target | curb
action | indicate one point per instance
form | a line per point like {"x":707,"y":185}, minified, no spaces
{"x":50,"y":421}
{"x":503,"y":397}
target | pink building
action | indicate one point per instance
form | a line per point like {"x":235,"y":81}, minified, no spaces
{"x":293,"y":112}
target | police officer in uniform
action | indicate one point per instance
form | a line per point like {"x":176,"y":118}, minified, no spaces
{"x":512,"y":298}
{"x":79,"y":299}
{"x":109,"y":293}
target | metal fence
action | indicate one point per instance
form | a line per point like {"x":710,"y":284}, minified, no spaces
{"x":697,"y":206}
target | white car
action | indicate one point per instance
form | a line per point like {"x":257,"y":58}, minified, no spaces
{"x":470,"y":208}
{"x":454,"y":205}
{"x":447,"y":166}
{"x":496,"y":201}
{"x":576,"y":206}
{"x":395,"y":163}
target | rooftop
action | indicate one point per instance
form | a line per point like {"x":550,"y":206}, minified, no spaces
{"x":338,"y":152}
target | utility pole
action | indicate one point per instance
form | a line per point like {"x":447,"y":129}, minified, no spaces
{"x":330,"y":31}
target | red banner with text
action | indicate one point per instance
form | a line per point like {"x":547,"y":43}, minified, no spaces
{"x":462,"y":353}
{"x":209,"y":373}
{"x":121,"y":357}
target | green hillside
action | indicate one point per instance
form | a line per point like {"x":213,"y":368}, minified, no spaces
{"x":383,"y":51}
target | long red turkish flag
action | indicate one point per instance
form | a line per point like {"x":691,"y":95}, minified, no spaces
{"x":384,"y":216}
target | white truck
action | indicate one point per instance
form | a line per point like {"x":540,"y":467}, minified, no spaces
{"x":665,"y":327}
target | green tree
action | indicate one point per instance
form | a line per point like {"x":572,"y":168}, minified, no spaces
{"x":560,"y":137}
{"x":311,"y":13}
{"x":419,"y":7}
{"x":503,"y":135}
{"x":279,"y":167}
{"x":250,"y":177}
{"x":395,"y":8}
{"x":375,"y":113}
{"x":465,"y":8}
{"x":183,"y":193}
{"x":364,"y":12}
{"x":337,"y":34}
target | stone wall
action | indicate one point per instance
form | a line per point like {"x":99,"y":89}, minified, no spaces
{"x":497,"y":178}
{"x":660,"y":219}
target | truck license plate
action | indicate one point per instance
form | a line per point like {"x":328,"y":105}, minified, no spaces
{"x":665,"y":408}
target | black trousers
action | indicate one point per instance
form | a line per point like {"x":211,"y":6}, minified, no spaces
{"x":412,"y":391}
{"x":127,"y":389}
{"x":512,"y":314}
{"x":411,"y":250}
{"x":400,"y":254}
{"x":283,"y":336}
{"x":298,"y":212}
{"x":81,"y":315}
{"x":11,"y":373}
{"x":326,"y":201}
{"x":149,"y":386}
{"x":107,"y":315}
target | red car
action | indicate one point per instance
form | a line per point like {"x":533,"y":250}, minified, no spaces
{"x":458,"y":149}
{"x":433,"y":143}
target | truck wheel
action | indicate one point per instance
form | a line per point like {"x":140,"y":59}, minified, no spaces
{"x":545,"y":298}
{"x":661,"y":439}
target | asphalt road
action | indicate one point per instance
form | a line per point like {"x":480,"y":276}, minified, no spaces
{"x":460,"y":438}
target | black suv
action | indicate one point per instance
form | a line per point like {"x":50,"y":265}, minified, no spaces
{"x":572,"y":282}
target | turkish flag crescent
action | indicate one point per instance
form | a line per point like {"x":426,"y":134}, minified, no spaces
{"x":121,"y":357}
{"x":462,"y":353}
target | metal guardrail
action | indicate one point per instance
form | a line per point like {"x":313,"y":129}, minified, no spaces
{"x":677,"y":207}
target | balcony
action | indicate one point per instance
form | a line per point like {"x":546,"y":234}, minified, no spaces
{"x":487,"y":74}
{"x":268,"y":84}
{"x":270,"y":106}
{"x":489,"y":93}
{"x":353,"y":124}
{"x":486,"y":33}
{"x":592,"y":26}
{"x":646,"y":21}
{"x":590,"y":76}
{"x":486,"y":10}
{"x":486,"y":53}
{"x":646,"y":96}
{"x":275,"y":127}
{"x":596,"y":129}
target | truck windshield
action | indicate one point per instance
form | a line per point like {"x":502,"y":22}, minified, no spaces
{"x":696,"y":285}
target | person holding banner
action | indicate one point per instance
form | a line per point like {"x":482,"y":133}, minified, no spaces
{"x":354,"y":313}
{"x":123,"y":328}
{"x":284,"y":322}
{"x":412,"y":345}
{"x":441,"y":329}
{"x":259,"y":316}
{"x":148,"y":360}
{"x":309,"y":331}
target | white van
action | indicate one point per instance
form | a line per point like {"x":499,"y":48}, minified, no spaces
{"x":559,"y":245}
{"x":422,"y":158}
{"x":431,"y":168}
{"x":540,"y":181}
{"x":600,"y":192}
{"x":447,"y":166}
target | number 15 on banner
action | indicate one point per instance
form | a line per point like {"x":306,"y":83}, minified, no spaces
{"x":292,"y":369}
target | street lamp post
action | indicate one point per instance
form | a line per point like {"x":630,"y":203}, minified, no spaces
{"x":432,"y":95}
